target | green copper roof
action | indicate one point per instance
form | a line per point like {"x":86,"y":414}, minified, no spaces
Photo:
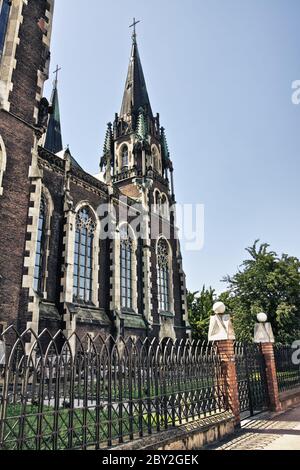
{"x":141,"y":128}
{"x":53,"y":141}
{"x":109,"y":141}
{"x":164,"y":145}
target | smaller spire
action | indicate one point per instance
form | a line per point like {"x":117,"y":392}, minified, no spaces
{"x":109,"y":141}
{"x":141,"y":128}
{"x":108,"y":151}
{"x":53,"y":141}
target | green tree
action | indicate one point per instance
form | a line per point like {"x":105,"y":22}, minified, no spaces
{"x":269,"y":283}
{"x":200,"y":309}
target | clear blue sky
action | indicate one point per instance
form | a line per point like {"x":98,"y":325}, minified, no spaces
{"x":219,"y":72}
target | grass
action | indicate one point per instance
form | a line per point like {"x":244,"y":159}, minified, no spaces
{"x":64,"y":428}
{"x":27,"y":429}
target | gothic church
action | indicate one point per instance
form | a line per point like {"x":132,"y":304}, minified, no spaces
{"x":65,"y":262}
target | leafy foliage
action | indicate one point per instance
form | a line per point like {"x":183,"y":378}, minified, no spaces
{"x":200,"y":309}
{"x":269,"y":283}
{"x":265,"y":282}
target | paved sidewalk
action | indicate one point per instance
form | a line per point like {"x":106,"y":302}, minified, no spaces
{"x":267,"y":431}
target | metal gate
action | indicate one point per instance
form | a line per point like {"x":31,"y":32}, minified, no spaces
{"x":252,"y":383}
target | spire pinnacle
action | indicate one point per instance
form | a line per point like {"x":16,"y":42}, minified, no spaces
{"x":135,"y":93}
{"x":164,"y":144}
{"x":141,"y":128}
{"x":56,"y":75}
{"x":133,"y":25}
{"x":108,"y":144}
{"x":53,"y":141}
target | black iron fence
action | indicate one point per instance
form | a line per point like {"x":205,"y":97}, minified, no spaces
{"x":251,"y":378}
{"x":287,"y":367}
{"x":81,"y":393}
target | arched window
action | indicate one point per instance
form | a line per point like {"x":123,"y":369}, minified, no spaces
{"x":40,"y":247}
{"x":124,"y":156}
{"x":83,"y":260}
{"x":154,"y":159}
{"x":126,"y":248}
{"x":164,"y":207}
{"x":163,"y":275}
{"x":156,"y":202}
{"x":4,"y":16}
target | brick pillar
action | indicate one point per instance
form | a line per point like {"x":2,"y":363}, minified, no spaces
{"x":227,"y":356}
{"x":268,"y":352}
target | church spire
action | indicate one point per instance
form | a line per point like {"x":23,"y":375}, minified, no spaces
{"x":135,"y":94}
{"x":53,"y":141}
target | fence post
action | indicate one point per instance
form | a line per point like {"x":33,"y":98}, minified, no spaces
{"x":227,"y":356}
{"x":263,"y":335}
{"x":222,"y":334}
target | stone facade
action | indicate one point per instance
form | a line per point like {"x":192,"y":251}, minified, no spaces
{"x":24,"y":68}
{"x":30,"y":174}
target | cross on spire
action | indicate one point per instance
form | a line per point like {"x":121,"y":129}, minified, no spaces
{"x":56,"y":74}
{"x":133,"y":25}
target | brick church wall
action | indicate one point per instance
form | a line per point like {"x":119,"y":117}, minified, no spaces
{"x":19,"y":139}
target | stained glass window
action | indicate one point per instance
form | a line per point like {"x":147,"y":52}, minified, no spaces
{"x":40,"y":247}
{"x":83,"y":258}
{"x":4,"y":16}
{"x":163,"y":276}
{"x":126,"y":267}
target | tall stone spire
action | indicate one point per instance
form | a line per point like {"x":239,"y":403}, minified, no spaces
{"x":53,"y":141}
{"x":135,"y":94}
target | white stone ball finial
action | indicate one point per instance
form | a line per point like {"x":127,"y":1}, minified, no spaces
{"x":219,"y":308}
{"x":262,"y":317}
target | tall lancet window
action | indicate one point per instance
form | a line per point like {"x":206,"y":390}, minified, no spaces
{"x":126,"y":249}
{"x":163,"y":276}
{"x":40,"y":247}
{"x":83,"y":260}
{"x":124,"y":157}
{"x":155,"y":159}
{"x":4,"y":16}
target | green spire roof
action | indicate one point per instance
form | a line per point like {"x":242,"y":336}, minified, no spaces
{"x":53,"y":141}
{"x":164,"y":145}
{"x":109,"y":141}
{"x":141,"y":128}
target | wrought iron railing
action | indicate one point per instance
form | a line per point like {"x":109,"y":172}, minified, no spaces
{"x":92,"y":393}
{"x":287,"y":367}
{"x":251,"y":378}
